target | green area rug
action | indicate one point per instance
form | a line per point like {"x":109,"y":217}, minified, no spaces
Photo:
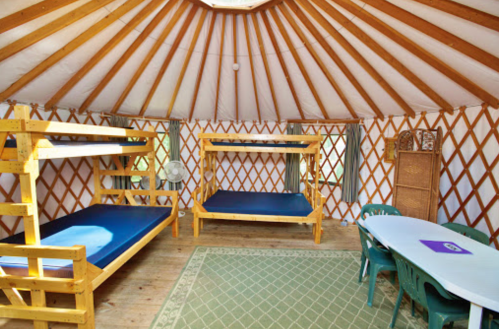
{"x":278,"y":288}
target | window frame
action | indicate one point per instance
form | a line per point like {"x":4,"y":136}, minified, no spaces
{"x":322,"y":180}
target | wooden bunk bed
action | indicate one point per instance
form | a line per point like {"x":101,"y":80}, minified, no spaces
{"x":304,"y":207}
{"x":45,"y":258}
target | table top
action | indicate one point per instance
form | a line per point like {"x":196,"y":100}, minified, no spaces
{"x":474,"y":277}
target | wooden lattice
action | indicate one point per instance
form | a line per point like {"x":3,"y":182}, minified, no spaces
{"x":469,"y":176}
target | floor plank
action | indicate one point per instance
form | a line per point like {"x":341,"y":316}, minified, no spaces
{"x":132,"y":296}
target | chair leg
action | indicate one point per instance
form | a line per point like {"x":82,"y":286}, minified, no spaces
{"x":392,"y":277}
{"x":397,"y":306}
{"x":372,"y":284}
{"x":362,"y":264}
{"x":413,"y":306}
{"x":435,"y":321}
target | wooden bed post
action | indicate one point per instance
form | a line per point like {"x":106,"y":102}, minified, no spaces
{"x":152,"y":169}
{"x":85,"y":298}
{"x":28,"y":195}
{"x":97,"y":188}
{"x":317,"y":171}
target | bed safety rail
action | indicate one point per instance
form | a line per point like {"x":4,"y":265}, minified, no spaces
{"x":80,"y":285}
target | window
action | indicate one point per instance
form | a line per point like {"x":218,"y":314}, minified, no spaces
{"x":162,"y":146}
{"x":332,"y":160}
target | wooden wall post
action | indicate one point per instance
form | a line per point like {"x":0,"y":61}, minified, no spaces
{"x":152,"y":169}
{"x":28,"y":195}
{"x":317,"y":171}
{"x":201,"y":167}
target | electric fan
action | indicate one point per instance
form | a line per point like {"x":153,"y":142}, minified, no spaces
{"x":145,"y":182}
{"x":175,"y":171}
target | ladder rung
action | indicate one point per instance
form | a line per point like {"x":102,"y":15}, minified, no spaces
{"x":13,"y":167}
{"x":43,"y":314}
{"x":16,"y":209}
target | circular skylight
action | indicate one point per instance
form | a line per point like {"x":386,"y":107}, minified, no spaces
{"x":234,"y":3}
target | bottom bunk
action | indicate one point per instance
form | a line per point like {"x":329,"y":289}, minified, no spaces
{"x":105,"y":230}
{"x":259,"y":206}
{"x":78,"y":253}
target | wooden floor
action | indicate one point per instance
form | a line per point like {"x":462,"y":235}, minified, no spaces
{"x":133,"y":295}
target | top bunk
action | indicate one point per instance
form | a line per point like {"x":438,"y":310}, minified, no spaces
{"x":49,"y":140}
{"x":261,"y":143}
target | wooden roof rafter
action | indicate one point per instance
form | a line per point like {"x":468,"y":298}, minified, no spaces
{"x":152,"y":52}
{"x":383,"y":53}
{"x":234,"y":35}
{"x":52,"y":27}
{"x":319,"y":61}
{"x":186,"y":61}
{"x":265,"y":64}
{"x":419,"y":51}
{"x":30,"y":13}
{"x":468,"y":13}
{"x":110,"y":45}
{"x":284,"y":67}
{"x":203,"y":62}
{"x":250,"y":55}
{"x":351,"y":50}
{"x":336,"y":59}
{"x":436,"y":33}
{"x":124,"y":58}
{"x":222,"y":37}
{"x":299,"y":62}
{"x":168,"y":58}
{"x":69,"y":48}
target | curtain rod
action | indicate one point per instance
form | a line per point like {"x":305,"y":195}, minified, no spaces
{"x":106,"y":115}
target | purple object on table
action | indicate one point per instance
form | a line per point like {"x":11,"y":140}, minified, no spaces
{"x":445,"y":247}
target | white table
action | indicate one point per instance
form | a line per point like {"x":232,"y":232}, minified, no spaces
{"x":472,"y":277}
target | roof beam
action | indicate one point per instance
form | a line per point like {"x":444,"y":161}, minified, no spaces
{"x":51,"y":28}
{"x":265,"y":64}
{"x":203,"y":61}
{"x":82,"y":72}
{"x":319,"y":62}
{"x":419,"y":51}
{"x":168,"y":58}
{"x":124,"y":58}
{"x":282,"y":62}
{"x":352,"y":51}
{"x":234,"y":34}
{"x":318,"y":36}
{"x":298,"y":61}
{"x":250,"y":55}
{"x":186,"y":61}
{"x":30,"y":13}
{"x":152,"y":52}
{"x":69,"y":47}
{"x":224,"y":18}
{"x":385,"y":55}
{"x":437,"y":33}
{"x":468,"y":13}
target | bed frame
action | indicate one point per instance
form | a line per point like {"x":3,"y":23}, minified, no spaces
{"x":32,"y":145}
{"x":208,"y":153}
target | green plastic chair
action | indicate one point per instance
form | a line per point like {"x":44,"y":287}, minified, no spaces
{"x":470,"y":232}
{"x":379,"y":260}
{"x":378,"y":209}
{"x":442,"y":306}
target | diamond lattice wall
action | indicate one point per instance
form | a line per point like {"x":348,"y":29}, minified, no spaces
{"x":469,"y":175}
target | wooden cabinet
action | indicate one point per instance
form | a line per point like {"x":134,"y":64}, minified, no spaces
{"x":417,"y":173}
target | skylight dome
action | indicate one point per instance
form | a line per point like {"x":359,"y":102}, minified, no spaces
{"x":238,"y":4}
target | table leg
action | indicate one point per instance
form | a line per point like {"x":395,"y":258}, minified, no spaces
{"x":475,"y":320}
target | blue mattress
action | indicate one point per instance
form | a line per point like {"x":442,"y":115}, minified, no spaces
{"x":259,"y":203}
{"x":12,"y":143}
{"x":259,"y":144}
{"x":106,"y":231}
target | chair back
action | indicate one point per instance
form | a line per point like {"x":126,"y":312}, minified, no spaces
{"x":415,"y":281}
{"x":470,"y":232}
{"x":364,"y":238}
{"x":378,"y":209}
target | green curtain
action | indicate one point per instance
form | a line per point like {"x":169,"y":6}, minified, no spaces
{"x":121,"y":182}
{"x":174,"y":134}
{"x":292,"y":175}
{"x":350,"y":187}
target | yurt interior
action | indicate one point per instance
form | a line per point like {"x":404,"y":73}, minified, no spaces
{"x":233,"y":164}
